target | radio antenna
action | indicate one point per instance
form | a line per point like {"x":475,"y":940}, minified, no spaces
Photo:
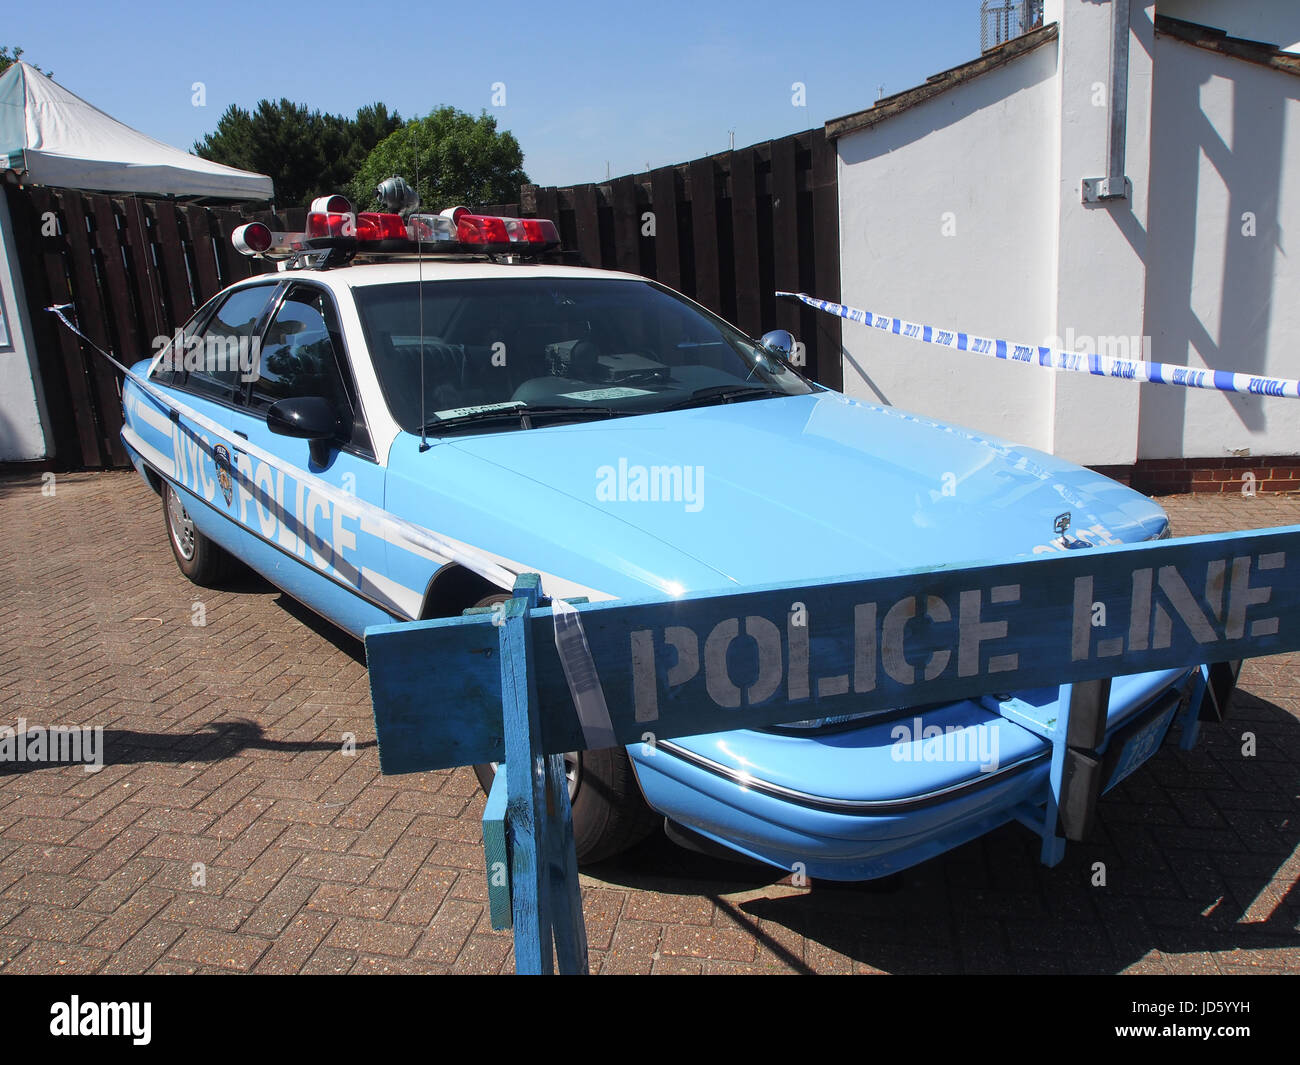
{"x":419,"y":273}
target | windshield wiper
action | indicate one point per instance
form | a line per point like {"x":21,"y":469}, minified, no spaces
{"x":725,"y":394}
{"x":524,"y":415}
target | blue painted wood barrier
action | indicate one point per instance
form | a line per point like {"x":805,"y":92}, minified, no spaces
{"x":488,"y":687}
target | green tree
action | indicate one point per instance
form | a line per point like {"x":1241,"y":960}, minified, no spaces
{"x":10,"y":56}
{"x":462,"y":160}
{"x":306,"y":153}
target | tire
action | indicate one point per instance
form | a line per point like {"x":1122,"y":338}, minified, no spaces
{"x":199,"y":558}
{"x":610,"y":814}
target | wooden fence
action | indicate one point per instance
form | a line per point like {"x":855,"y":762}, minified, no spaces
{"x":133,"y":269}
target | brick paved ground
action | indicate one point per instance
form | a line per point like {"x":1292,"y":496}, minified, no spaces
{"x":223,"y":748}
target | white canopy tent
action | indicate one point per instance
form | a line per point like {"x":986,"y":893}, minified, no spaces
{"x":60,"y":140}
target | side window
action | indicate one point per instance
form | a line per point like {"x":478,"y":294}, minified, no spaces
{"x":170,"y":369}
{"x":302,"y":355}
{"x":226,"y":350}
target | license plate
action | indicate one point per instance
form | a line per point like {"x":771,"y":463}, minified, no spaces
{"x":1142,"y":742}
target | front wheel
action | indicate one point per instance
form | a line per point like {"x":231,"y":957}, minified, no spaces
{"x":199,"y":558}
{"x":609,"y":813}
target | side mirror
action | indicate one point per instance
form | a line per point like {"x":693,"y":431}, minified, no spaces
{"x":310,"y":418}
{"x":778,"y":342}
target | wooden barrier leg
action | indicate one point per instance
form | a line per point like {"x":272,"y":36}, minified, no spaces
{"x":525,"y":780}
{"x":1190,"y":719}
{"x":562,"y":865}
{"x":1053,"y":849}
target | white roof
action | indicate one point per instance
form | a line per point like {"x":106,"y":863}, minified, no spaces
{"x":435,"y":268}
{"x":64,"y":142}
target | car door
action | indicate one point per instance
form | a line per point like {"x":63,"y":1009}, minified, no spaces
{"x":203,"y":372}
{"x":293,"y":495}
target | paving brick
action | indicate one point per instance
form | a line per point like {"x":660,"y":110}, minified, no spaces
{"x":53,"y":924}
{"x":373,"y":937}
{"x":633,"y":947}
{"x":448,"y":931}
{"x":330,"y":960}
{"x":207,"y":911}
{"x":126,"y":921}
{"x":296,"y":943}
{"x":44,"y":957}
{"x":346,"y":901}
{"x":65,"y":891}
{"x":224,"y":950}
{"x":278,"y":908}
{"x":728,"y":944}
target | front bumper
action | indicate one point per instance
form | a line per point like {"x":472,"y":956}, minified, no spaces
{"x":872,"y":800}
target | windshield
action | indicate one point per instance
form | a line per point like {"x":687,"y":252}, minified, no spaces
{"x":555,"y":347}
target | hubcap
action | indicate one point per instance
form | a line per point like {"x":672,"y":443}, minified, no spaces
{"x":180,"y":526}
{"x":572,"y":772}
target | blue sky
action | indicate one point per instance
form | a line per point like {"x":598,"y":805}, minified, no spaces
{"x":585,"y":84}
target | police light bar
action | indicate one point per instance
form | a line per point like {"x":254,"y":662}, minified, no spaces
{"x":332,"y":224}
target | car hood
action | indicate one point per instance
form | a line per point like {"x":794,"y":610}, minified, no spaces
{"x":791,"y":489}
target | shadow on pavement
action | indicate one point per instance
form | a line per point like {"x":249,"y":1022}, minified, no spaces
{"x":213,"y":742}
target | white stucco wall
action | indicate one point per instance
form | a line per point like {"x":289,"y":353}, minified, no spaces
{"x":21,"y":436}
{"x":1226,"y":146}
{"x":946,"y":217}
{"x":1270,"y":21}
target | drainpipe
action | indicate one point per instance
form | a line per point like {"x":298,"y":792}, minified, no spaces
{"x":1114,"y":186}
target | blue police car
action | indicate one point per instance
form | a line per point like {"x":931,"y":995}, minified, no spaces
{"x":394,"y":436}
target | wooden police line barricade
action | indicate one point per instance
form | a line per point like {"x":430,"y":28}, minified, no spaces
{"x":526,"y":683}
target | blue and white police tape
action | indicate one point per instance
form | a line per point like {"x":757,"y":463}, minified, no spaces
{"x":1161,"y":373}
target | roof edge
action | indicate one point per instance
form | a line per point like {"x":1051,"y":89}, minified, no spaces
{"x":940,"y":83}
{"x":1216,"y":40}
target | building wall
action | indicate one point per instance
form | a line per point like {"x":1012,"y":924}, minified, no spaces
{"x":1225,"y":163}
{"x":21,"y":436}
{"x":946,"y":217}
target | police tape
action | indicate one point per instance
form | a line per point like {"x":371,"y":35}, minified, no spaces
{"x":1161,"y":373}
{"x":406,"y":531}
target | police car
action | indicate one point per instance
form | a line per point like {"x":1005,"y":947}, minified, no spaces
{"x":417,"y":407}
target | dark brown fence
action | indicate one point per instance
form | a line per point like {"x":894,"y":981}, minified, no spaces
{"x":133,"y":269}
{"x":728,"y":230}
